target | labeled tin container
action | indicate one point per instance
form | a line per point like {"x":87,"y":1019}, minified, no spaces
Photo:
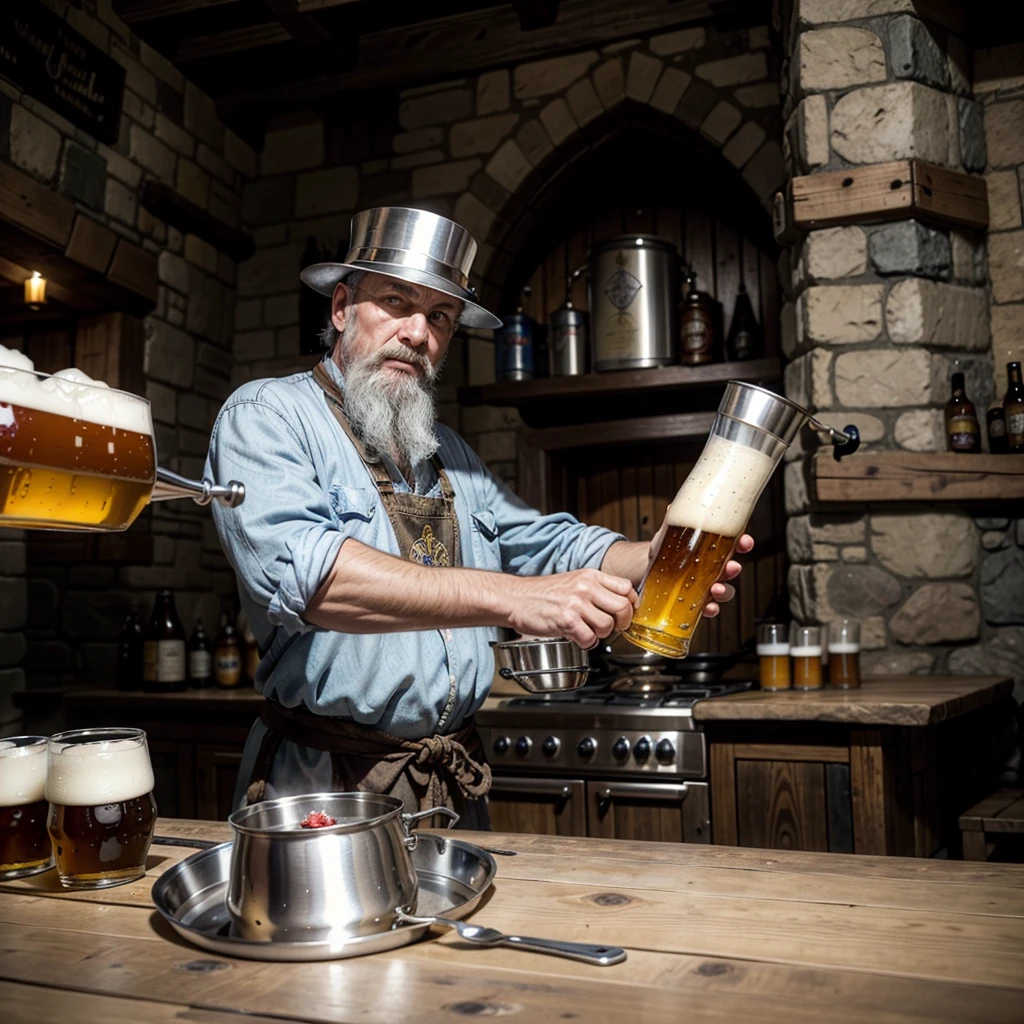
{"x":513,"y":348}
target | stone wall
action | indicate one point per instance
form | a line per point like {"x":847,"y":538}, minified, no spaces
{"x":169,"y":133}
{"x":490,"y":151}
{"x":879,"y":316}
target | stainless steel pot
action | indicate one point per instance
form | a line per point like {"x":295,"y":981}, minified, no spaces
{"x":544,"y":665}
{"x":296,"y":884}
{"x":632,"y":302}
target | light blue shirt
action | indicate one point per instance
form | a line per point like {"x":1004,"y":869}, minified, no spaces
{"x":307,"y":492}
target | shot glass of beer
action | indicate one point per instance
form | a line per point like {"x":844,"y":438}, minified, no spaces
{"x":24,"y":842}
{"x":844,"y":653}
{"x":773,"y":650}
{"x":102,"y":813}
{"x":805,"y":651}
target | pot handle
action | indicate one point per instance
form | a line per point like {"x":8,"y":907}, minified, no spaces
{"x":412,"y":838}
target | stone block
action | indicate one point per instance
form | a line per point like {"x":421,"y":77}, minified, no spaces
{"x":670,"y":89}
{"x":558,"y":121}
{"x":972,"y":134}
{"x":137,"y":78}
{"x":1004,"y":133}
{"x":811,"y":123}
{"x":481,"y":135}
{"x":738,"y":70}
{"x":152,"y":155}
{"x":435,"y":108}
{"x":842,"y":314}
{"x":268,"y":201}
{"x":766,"y":171}
{"x":270,"y":271}
{"x":898,"y":121}
{"x":998,"y":68}
{"x":136,"y":109}
{"x":925,"y":544}
{"x":1007,"y":334}
{"x":995,"y":540}
{"x":742,"y":146}
{"x":83,"y":176}
{"x":201,"y":253}
{"x":808,"y":592}
{"x":534,"y":142}
{"x":119,"y":202}
{"x":286,"y":341}
{"x":871,"y":428}
{"x":668,"y":44}
{"x":908,"y":247}
{"x":423,"y":138}
{"x":12,"y":557}
{"x":855,"y":554}
{"x":240,"y":155}
{"x":120,"y":167}
{"x":720,"y":122}
{"x":12,"y":648}
{"x":173,"y":271}
{"x":169,"y":354}
{"x":794,"y":477}
{"x":1001,"y":654}
{"x":13,"y":603}
{"x":862,"y":590}
{"x":549,"y":76}
{"x":250,"y":345}
{"x":882,"y":378}
{"x":201,"y":117}
{"x":326,"y":191}
{"x":922,"y":312}
{"x":296,"y":148}
{"x":1004,"y":200}
{"x":642,"y":75}
{"x":443,"y":179}
{"x":610,"y":83}
{"x":193,"y":183}
{"x":765,"y":94}
{"x":474,"y":216}
{"x":174,"y":135}
{"x":96,"y":615}
{"x":897,"y":663}
{"x":914,"y":52}
{"x":1002,"y":587}
{"x":834,"y":253}
{"x":820,"y":12}
{"x":837,"y":58}
{"x":1006,"y":265}
{"x":937,"y":613}
{"x":421,"y":159}
{"x":921,"y":430}
{"x":492,"y":92}
{"x":163,"y":401}
{"x":194,"y":411}
{"x":281,"y":310}
{"x":497,"y":446}
{"x":215,"y":164}
{"x":583,"y":101}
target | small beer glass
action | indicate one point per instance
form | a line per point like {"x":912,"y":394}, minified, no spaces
{"x":102,"y":813}
{"x":844,"y":653}
{"x":773,"y":650}
{"x":805,"y":650}
{"x":24,"y":842}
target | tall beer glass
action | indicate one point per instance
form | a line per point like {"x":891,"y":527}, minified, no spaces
{"x":805,"y":650}
{"x":773,"y":652}
{"x":102,"y":813}
{"x":710,"y":512}
{"x":24,"y":842}
{"x":844,"y":653}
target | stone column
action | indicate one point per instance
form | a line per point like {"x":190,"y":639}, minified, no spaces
{"x":878,"y":317}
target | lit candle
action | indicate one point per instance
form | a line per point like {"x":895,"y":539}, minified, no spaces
{"x":35,"y":290}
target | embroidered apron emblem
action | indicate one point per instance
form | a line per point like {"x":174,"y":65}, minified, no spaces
{"x":428,"y":550}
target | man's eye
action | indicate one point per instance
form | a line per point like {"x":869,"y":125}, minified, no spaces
{"x":440,"y":318}
{"x":392,"y":300}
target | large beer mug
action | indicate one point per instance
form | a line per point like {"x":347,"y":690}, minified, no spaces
{"x":710,"y":512}
{"x":24,"y":841}
{"x":102,"y":813}
{"x":76,"y":454}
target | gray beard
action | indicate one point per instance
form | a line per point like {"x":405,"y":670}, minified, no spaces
{"x":390,"y":414}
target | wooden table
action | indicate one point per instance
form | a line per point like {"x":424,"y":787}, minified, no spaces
{"x":885,"y":769}
{"x":713,"y":933}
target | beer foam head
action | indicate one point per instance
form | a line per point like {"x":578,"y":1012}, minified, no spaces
{"x":22,"y":774}
{"x":722,"y":488}
{"x":843,"y":647}
{"x":70,"y":393}
{"x":103,"y":772}
{"x":775,"y":650}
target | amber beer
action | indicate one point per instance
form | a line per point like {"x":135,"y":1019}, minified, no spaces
{"x":704,"y":521}
{"x":773,"y":653}
{"x":102,"y":812}
{"x":844,"y":654}
{"x":24,"y":841}
{"x":73,"y":455}
{"x":805,"y":652}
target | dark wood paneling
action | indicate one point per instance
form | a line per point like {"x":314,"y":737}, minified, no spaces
{"x":518,"y":805}
{"x":781,"y":805}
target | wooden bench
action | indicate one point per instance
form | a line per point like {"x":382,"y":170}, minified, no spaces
{"x":1001,"y":813}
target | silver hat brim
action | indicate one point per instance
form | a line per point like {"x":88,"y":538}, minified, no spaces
{"x":322,"y":277}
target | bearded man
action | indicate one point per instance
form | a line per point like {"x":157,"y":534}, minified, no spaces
{"x":377,"y":556}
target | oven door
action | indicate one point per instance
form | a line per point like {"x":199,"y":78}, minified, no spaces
{"x":545,"y":807}
{"x":661,"y":811}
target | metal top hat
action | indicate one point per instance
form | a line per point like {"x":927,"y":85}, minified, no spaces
{"x":412,"y":245}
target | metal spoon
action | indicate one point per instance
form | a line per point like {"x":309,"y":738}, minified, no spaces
{"x":478,"y":935}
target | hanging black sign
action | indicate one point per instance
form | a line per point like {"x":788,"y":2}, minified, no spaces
{"x":47,"y":58}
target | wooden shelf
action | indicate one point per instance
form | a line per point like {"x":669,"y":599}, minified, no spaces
{"x":913,"y":476}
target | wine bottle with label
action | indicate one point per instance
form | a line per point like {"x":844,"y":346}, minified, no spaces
{"x":200,"y":659}
{"x":163,"y":650}
{"x":963,"y":433}
{"x":1013,"y":408}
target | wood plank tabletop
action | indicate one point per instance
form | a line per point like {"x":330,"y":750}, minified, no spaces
{"x":713,"y":934}
{"x":887,"y":700}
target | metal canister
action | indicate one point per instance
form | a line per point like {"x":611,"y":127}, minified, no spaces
{"x":513,"y":348}
{"x":632,"y":302}
{"x":567,"y":342}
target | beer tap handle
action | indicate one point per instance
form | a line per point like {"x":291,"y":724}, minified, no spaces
{"x":844,"y":442}
{"x":171,"y":485}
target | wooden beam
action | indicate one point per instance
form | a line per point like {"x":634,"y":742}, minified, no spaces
{"x":309,"y":6}
{"x":34,"y":208}
{"x":135,"y":269}
{"x":174,"y":209}
{"x":91,"y":244}
{"x":481,"y":39}
{"x":308,"y":32}
{"x":651,"y":428}
{"x":534,"y":14}
{"x":132,"y":12}
{"x":890,"y":191}
{"x":218,"y":44}
{"x":918,"y":476}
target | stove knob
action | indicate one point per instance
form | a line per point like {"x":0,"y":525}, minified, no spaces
{"x":665,"y":751}
{"x":523,"y":746}
{"x":550,"y":746}
{"x":642,"y":748}
{"x":501,"y":745}
{"x":587,"y":747}
{"x":620,"y":748}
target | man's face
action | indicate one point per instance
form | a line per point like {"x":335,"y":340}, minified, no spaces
{"x":402,"y":327}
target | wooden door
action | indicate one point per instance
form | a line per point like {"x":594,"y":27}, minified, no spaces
{"x":658,"y":811}
{"x":781,"y":805}
{"x":216,"y":775}
{"x":545,"y":807}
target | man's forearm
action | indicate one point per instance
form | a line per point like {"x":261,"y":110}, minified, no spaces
{"x":369,"y":591}
{"x":627,"y":559}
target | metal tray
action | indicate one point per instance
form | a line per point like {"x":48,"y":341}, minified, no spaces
{"x":453,"y":876}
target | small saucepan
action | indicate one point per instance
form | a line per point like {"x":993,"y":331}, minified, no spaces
{"x":542,"y":665}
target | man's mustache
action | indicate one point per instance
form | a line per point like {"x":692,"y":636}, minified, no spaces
{"x":400,"y":353}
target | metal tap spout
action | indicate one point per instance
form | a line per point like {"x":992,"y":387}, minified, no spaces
{"x":171,"y":485}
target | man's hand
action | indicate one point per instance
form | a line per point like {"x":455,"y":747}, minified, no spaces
{"x":583,"y":606}
{"x":721,"y":591}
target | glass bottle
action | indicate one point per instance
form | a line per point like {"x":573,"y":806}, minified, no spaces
{"x":745,"y":340}
{"x":963,"y":434}
{"x":1013,"y":408}
{"x":200,"y":659}
{"x":250,"y":654}
{"x":163,"y":650}
{"x":129,"y":654}
{"x":227,"y":658}
{"x":995,"y":423}
{"x":696,"y":325}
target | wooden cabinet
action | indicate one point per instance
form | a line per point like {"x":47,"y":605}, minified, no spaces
{"x":216,"y":776}
{"x":656,"y":811}
{"x":546,"y":807}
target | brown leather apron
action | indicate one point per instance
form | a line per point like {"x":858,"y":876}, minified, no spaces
{"x":441,"y":770}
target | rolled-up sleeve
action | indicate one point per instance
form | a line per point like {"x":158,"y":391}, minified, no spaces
{"x":282,"y":541}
